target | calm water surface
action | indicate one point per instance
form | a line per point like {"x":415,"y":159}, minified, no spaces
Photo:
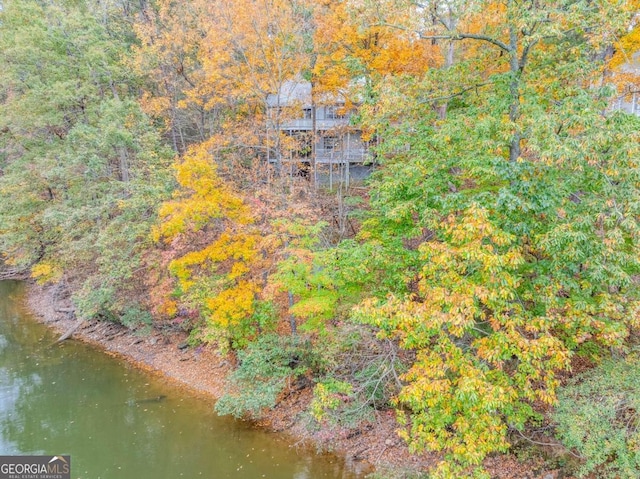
{"x":73,"y":399}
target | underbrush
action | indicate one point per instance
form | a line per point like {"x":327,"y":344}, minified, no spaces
{"x":597,"y":417}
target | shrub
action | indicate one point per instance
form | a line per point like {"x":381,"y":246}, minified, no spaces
{"x":597,"y":415}
{"x":364,"y":378}
{"x":266,"y":367}
{"x":135,"y":317}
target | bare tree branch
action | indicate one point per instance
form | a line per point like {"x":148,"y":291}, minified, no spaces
{"x":451,"y":36}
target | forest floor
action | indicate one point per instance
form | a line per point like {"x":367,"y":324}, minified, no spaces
{"x":375,"y":447}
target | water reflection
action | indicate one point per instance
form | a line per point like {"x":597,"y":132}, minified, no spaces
{"x":71,"y":399}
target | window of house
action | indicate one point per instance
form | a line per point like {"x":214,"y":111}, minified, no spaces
{"x":332,"y":113}
{"x":329,"y":143}
{"x":307,"y":114}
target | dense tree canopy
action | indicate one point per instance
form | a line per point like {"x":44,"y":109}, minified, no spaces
{"x":521,"y":206}
{"x":82,"y":167}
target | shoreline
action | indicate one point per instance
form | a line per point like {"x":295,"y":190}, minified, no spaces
{"x":202,"y":371}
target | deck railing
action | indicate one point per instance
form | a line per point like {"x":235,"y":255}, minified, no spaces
{"x":304,"y":124}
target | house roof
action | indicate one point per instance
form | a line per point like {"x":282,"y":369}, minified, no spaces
{"x":299,"y":92}
{"x":633,"y":65}
{"x":291,"y":92}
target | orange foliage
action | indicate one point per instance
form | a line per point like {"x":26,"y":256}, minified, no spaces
{"x":354,"y":41}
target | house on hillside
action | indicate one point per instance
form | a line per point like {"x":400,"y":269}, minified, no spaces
{"x":629,"y":101}
{"x":315,"y":139}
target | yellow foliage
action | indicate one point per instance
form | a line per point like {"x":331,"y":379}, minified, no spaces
{"x":351,"y":35}
{"x":217,"y":276}
{"x":476,"y":352}
{"x":46,"y":273}
{"x":626,"y":48}
{"x":169,"y":307}
{"x":201,"y":198}
{"x":232,"y":304}
{"x":241,"y":249}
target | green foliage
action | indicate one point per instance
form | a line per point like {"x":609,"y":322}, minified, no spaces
{"x":135,"y":317}
{"x":302,"y":273}
{"x":508,"y":229}
{"x":242,"y":333}
{"x":326,"y":282}
{"x":363,"y":377}
{"x":266,"y":367}
{"x":328,"y":394}
{"x":83,"y":170}
{"x":597,"y":416}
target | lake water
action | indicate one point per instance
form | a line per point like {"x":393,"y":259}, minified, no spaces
{"x":74,"y":399}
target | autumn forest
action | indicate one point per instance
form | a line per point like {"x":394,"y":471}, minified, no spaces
{"x":472,"y":270}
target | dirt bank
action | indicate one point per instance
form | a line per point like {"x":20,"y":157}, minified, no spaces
{"x":203,"y":371}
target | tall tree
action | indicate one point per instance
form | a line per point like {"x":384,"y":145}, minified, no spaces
{"x":516,"y":216}
{"x":79,"y":158}
{"x":217,"y":278}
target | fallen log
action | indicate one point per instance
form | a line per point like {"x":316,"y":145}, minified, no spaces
{"x":13,"y":273}
{"x":69,"y":332}
{"x":65,"y":310}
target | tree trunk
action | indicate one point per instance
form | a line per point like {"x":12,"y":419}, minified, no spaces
{"x":314,"y":126}
{"x":124,"y":164}
{"x":69,"y":332}
{"x":292,"y":320}
{"x":514,"y":90}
